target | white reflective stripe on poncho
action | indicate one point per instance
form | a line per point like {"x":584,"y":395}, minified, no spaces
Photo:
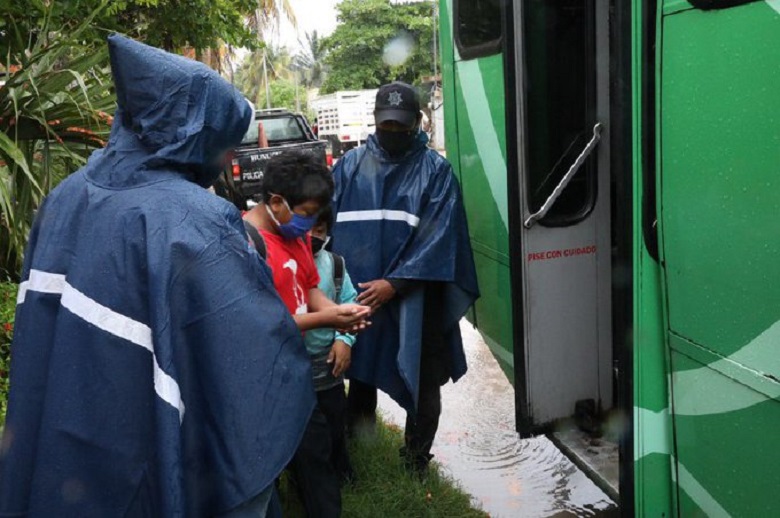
{"x":377,"y":215}
{"x":109,"y":321}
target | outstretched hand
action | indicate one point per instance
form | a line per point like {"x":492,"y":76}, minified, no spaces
{"x":350,"y":318}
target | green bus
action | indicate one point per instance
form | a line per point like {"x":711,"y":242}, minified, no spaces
{"x":620,"y":165}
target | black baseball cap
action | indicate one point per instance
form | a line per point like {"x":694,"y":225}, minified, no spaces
{"x":397,"y":102}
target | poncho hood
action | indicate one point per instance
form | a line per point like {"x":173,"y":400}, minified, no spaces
{"x":173,"y":115}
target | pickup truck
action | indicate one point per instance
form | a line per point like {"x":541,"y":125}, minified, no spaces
{"x":284,"y":130}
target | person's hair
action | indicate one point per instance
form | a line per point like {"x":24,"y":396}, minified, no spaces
{"x":326,"y":216}
{"x":298,"y":177}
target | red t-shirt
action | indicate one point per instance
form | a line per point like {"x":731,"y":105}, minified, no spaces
{"x":294,"y":271}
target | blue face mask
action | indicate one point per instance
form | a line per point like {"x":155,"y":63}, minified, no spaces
{"x":297,"y":227}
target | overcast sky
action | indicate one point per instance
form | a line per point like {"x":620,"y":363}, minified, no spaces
{"x":319,"y":15}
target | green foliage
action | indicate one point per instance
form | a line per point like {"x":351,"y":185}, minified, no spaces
{"x":356,"y":49}
{"x":283,"y":95}
{"x":385,"y":489}
{"x":7,"y":309}
{"x":52,"y":116}
{"x":201,"y":24}
{"x":170,"y":24}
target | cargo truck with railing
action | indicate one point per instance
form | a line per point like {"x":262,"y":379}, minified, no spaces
{"x":345,"y":119}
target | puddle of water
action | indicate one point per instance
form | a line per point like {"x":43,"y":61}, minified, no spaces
{"x":477,"y":446}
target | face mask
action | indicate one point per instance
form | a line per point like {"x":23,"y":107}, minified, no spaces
{"x":297,"y":227}
{"x":396,"y":143}
{"x":317,"y":244}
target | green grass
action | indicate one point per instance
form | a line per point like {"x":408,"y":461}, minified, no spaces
{"x":385,"y":490}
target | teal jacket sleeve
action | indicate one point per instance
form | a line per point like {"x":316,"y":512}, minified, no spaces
{"x":348,"y":295}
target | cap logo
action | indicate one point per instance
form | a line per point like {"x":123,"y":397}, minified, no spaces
{"x":395,"y":99}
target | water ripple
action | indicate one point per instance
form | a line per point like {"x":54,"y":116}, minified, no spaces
{"x":477,"y":445}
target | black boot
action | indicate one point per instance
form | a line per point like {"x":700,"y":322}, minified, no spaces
{"x":416,"y":464}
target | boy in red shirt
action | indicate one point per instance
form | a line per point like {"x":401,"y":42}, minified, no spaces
{"x":296,"y":188}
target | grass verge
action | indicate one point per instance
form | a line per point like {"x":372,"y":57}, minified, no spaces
{"x":385,"y":490}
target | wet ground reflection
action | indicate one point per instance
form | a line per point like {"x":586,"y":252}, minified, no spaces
{"x":477,"y":445}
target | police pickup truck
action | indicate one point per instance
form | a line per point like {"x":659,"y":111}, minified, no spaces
{"x":284,"y":130}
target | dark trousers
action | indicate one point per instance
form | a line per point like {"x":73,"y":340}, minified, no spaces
{"x":333,"y":403}
{"x":420,"y":427}
{"x":435,"y":370}
{"x":321,"y":460}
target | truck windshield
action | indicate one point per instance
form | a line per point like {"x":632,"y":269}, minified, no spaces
{"x":277,"y":129}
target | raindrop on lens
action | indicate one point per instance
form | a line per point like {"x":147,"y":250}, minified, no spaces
{"x":398,"y":50}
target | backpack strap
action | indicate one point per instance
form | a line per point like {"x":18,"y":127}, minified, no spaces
{"x":338,"y":275}
{"x":256,"y":239}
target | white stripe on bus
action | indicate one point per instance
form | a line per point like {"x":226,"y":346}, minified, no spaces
{"x":698,"y":493}
{"x":484,"y":133}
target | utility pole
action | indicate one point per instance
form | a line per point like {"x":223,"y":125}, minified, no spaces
{"x":265,"y":69}
{"x":267,"y":86}
{"x":434,"y":127}
{"x":435,"y":39}
{"x":297,"y":98}
{"x":295,"y":68}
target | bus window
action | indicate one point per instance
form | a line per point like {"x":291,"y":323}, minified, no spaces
{"x":477,"y":27}
{"x":560,"y":103}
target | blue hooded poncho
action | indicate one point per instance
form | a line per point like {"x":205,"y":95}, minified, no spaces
{"x":155,"y":371}
{"x":404,"y":219}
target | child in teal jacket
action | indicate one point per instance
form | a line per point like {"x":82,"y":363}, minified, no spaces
{"x":330,"y":350}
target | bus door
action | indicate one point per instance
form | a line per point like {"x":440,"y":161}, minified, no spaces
{"x":559,"y":195}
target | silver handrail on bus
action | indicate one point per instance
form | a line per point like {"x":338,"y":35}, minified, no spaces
{"x":533,"y":218}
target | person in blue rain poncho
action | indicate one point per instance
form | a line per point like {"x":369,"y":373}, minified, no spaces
{"x":401,"y":227}
{"x":155,"y":371}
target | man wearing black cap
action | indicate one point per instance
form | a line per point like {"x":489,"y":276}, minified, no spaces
{"x":401,"y":228}
{"x":397,"y":115}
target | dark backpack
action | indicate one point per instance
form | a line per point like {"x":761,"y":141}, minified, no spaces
{"x":338,"y":274}
{"x":256,"y":240}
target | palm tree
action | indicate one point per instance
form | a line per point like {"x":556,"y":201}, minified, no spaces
{"x":311,"y":59}
{"x":267,"y":17}
{"x":269,"y":13}
{"x":272,"y":63}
